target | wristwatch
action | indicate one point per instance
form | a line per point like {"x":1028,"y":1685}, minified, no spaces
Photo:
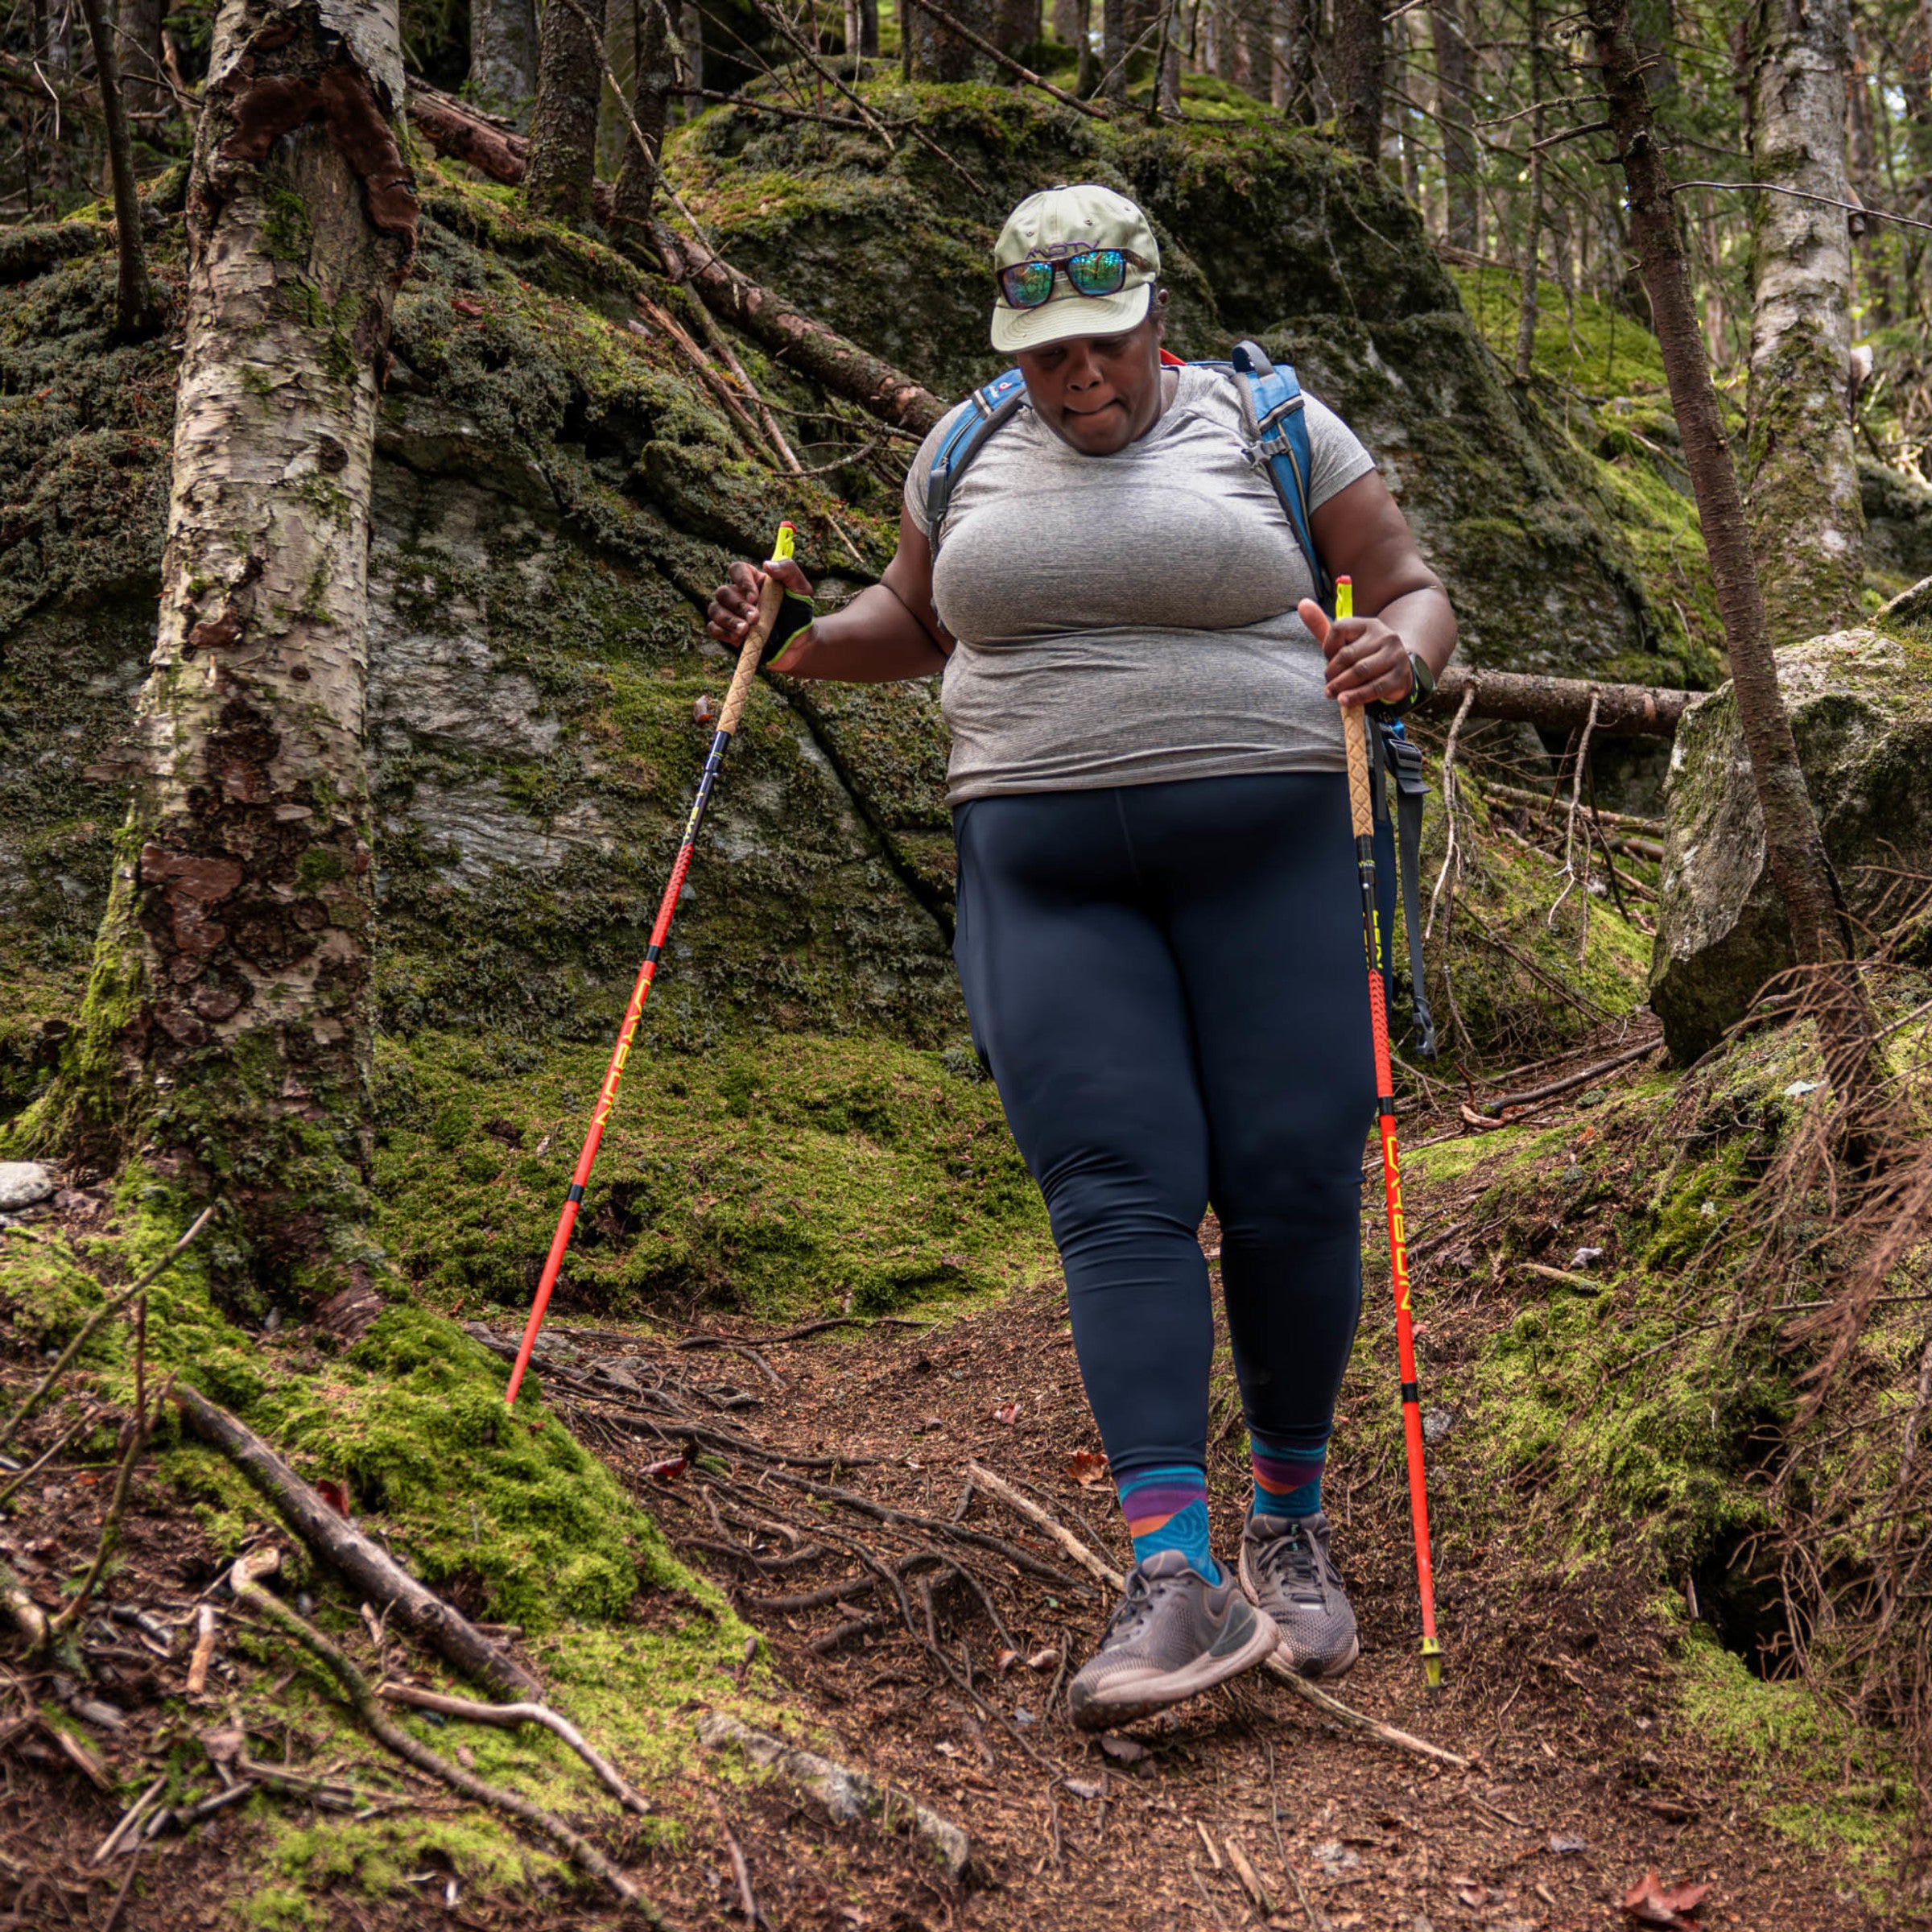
{"x":1422,"y":689}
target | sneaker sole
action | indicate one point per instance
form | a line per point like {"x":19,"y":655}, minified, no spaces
{"x":1120,"y":1703}
{"x":1327,"y":1671}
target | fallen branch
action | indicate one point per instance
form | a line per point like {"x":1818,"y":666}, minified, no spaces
{"x":1522,"y":794}
{"x":510,"y":1716}
{"x":112,"y":1305}
{"x":806,"y":344}
{"x":794,"y":1335}
{"x":847,"y":1794}
{"x":244,"y":1579}
{"x":1493,"y":1109}
{"x":371,"y":1570}
{"x":1097,"y":1567}
{"x":1624,"y":711}
{"x":110,"y":1525}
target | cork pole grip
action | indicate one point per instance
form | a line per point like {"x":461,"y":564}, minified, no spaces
{"x":1355,"y":735}
{"x":771,"y":595}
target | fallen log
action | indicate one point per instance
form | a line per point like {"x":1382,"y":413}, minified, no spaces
{"x":1624,"y":711}
{"x":455,"y":128}
{"x":370,"y":1570}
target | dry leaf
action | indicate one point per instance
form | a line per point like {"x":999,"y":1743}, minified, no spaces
{"x":335,"y":1494}
{"x":1649,"y":1904}
{"x":1008,"y":1413}
{"x":464,"y":305}
{"x":671,"y":1466}
{"x":1006,"y":1660}
{"x":1042,"y":1660}
{"x":1088,"y":1467}
{"x":1124,"y":1748}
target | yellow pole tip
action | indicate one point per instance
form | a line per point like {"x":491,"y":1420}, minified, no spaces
{"x":782,"y":548}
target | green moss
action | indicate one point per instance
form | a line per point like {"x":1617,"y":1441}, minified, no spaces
{"x":1828,"y":1783}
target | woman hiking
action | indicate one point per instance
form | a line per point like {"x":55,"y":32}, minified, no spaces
{"x":1159,"y":932}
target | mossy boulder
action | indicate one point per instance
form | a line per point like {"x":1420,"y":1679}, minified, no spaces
{"x":1860,"y":702}
{"x":1264,"y":231}
{"x":1898,"y":526}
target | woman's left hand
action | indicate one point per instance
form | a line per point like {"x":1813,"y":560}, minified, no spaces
{"x":1367,"y":662}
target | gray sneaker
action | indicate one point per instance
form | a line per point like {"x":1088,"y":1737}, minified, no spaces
{"x":1173,"y":1636}
{"x":1287,"y":1572}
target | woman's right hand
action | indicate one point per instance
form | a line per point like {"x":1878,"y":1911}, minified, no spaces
{"x":734,"y":604}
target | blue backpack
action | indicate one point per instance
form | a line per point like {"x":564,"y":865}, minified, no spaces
{"x":1273,"y":402}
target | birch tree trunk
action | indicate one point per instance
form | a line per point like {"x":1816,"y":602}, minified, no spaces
{"x":1795,"y":852}
{"x":1807,"y":525}
{"x":503,"y":56}
{"x":224,"y":1044}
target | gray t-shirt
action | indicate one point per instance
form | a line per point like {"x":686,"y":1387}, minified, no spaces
{"x":1127,"y":618}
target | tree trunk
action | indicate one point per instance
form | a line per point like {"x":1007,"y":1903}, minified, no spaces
{"x":503,"y":57}
{"x":1807,"y":528}
{"x":620,"y":20}
{"x":938,"y":53}
{"x":138,"y":49}
{"x":656,"y":62}
{"x":1358,"y":75}
{"x":1016,"y":24}
{"x":1069,"y":29}
{"x":1113,"y":50}
{"x":1454,"y":95}
{"x":1795,"y":852}
{"x":563,"y":122}
{"x":691,"y":43}
{"x":224,"y":1045}
{"x":135,"y":309}
{"x":1167,"y":62}
{"x":1525,"y":307}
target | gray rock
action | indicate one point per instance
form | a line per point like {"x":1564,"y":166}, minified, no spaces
{"x":23,"y":1183}
{"x":1861,"y":704}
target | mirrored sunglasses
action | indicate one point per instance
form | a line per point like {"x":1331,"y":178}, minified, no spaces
{"x":1093,"y":272}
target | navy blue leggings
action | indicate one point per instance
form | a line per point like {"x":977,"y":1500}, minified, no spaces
{"x":1166,"y":980}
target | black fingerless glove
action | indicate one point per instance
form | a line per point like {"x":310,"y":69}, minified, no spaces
{"x":796,"y":614}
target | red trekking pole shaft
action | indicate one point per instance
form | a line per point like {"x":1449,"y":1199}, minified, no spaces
{"x":769,"y":597}
{"x":1361,"y":804}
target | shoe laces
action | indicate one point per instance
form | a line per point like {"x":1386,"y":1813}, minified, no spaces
{"x":1297,"y":1562}
{"x":1135,"y":1607}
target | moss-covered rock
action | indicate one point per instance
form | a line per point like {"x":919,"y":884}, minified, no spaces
{"x":1861,"y":704}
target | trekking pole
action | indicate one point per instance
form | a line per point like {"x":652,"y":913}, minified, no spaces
{"x":1361,"y":802}
{"x":771,"y":595}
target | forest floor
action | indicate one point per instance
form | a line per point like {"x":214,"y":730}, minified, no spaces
{"x":1565,"y":1687}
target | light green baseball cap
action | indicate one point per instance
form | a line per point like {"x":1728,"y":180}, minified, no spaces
{"x":1061,"y":222}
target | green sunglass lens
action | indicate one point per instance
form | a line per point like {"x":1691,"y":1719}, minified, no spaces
{"x":1100,"y":272}
{"x":1027,"y":284}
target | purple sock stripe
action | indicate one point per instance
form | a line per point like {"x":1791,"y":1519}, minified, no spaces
{"x":1279,"y":1474}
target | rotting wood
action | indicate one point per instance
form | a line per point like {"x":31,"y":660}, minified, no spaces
{"x":249,"y":1591}
{"x":371,"y":1570}
{"x":1097,"y":1567}
{"x":848,"y":1794}
{"x":1624,"y":711}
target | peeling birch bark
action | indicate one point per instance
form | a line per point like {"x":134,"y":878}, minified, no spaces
{"x":225,"y":1041}
{"x":1800,"y":470}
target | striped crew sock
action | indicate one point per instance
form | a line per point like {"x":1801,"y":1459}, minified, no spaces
{"x":1167,"y":1509}
{"x":1287,"y":1480}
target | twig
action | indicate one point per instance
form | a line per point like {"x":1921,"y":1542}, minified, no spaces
{"x":1452,"y":849}
{"x":740,"y":1870}
{"x":1799,"y":194}
{"x":510,"y":1716}
{"x":204,"y":1651}
{"x":129,"y":1819}
{"x":1494,"y":1109}
{"x":110,"y":1525}
{"x":1207,"y":1900}
{"x":113,"y":1304}
{"x":127,"y":1883}
{"x":45,"y":1457}
{"x":998,"y":1486}
{"x":1576,"y":792}
{"x":1246,"y":1873}
{"x":248,"y":1590}
{"x":799,"y":1335}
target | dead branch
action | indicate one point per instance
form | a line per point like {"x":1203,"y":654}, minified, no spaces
{"x":369,"y":1570}
{"x":1529,"y":1097}
{"x":797,"y":1334}
{"x":243,"y":1578}
{"x":112,"y":1305}
{"x":1451,"y":848}
{"x":998,"y":1486}
{"x":848,"y":1794}
{"x":46,"y":1456}
{"x":1520,"y":794}
{"x":110,"y":1525}
{"x":510,"y":1716}
{"x":1624,"y":711}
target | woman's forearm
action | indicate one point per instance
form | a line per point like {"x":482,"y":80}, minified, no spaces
{"x":1426,"y":623}
{"x":873,"y":640}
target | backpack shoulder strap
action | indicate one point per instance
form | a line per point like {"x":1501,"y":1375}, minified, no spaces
{"x":1403,"y":757}
{"x":990,"y":405}
{"x":1276,"y":410}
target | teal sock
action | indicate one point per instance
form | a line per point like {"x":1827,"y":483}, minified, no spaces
{"x":1167,"y":1509}
{"x":1287,"y":1479}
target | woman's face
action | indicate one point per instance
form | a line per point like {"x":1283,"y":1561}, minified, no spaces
{"x":1098,"y":393}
